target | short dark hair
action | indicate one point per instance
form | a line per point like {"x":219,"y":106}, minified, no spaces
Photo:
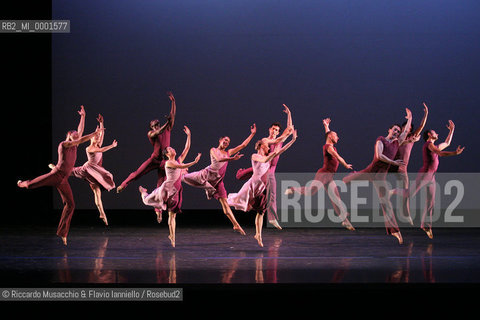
{"x":276,"y":124}
{"x":425,"y":134}
{"x":326,"y":134}
{"x":164,"y":154}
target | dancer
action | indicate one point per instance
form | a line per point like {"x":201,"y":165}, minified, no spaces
{"x":58,"y":177}
{"x":403,"y":154}
{"x":159,"y":136}
{"x":324,"y":176}
{"x":169,"y":195}
{"x":252,"y":194}
{"x":211,"y":177}
{"x":385,"y":150}
{"x":274,"y":143}
{"x":93,"y":172}
{"x":426,"y":174}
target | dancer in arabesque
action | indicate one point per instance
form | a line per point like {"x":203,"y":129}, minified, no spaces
{"x":324,"y":177}
{"x":169,"y":195}
{"x":211,"y":177}
{"x":252,"y":194}
{"x":58,"y":176}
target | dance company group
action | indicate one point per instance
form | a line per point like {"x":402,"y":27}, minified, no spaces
{"x":258,"y":193}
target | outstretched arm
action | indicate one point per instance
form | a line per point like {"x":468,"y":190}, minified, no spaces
{"x":103,"y":149}
{"x":335,"y":154}
{"x":187,"y":145}
{"x":448,"y":140}
{"x":282,"y":150}
{"x":404,"y":133}
{"x":214,"y":154}
{"x":424,"y":121}
{"x":442,"y":153}
{"x":253,"y":130}
{"x":100,"y":121}
{"x":81,"y":139}
{"x":81,"y":124}
{"x":381,"y":157}
{"x":173,"y":164}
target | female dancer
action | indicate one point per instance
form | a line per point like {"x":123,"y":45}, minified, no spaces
{"x":58,"y":177}
{"x":211,"y":178}
{"x":252,"y":194}
{"x":169,"y":195}
{"x":426,"y":175}
{"x":403,"y":154}
{"x":385,"y":150}
{"x":324,"y":176}
{"x":93,"y":172}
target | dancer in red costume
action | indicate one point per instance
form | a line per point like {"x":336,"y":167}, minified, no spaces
{"x":274,"y":143}
{"x":58,"y":176}
{"x":385,"y":150}
{"x":169,"y":195}
{"x":211,"y":177}
{"x":252,"y":194}
{"x":324,"y":176}
{"x":159,"y":136}
{"x":93,"y":171}
{"x":426,"y":175}
{"x":403,"y":154}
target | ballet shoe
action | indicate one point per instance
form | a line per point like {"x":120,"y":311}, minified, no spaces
{"x":275,"y":224}
{"x":428,"y":232}
{"x":259,"y":240}
{"x":398,"y":235}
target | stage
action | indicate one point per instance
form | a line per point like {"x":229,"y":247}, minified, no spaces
{"x":141,"y":253}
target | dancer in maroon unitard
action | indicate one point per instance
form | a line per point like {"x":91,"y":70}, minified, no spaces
{"x":385,"y":150}
{"x":426,"y":175}
{"x":211,"y":177}
{"x":403,"y":154}
{"x":275,"y":144}
{"x":324,"y":176}
{"x":58,"y":176}
{"x":159,"y":137}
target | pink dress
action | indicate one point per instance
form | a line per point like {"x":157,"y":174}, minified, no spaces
{"x":169,"y":195}
{"x":251,"y":195}
{"x":93,"y":172}
{"x":209,"y":178}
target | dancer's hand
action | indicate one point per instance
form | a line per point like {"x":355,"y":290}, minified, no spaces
{"x":286,"y":110}
{"x":398,"y":162}
{"x":186,"y":130}
{"x":450,"y":125}
{"x":425,"y":108}
{"x":100,"y":118}
{"x":253,"y":129}
{"x":326,"y":122}
{"x":237,"y":156}
{"x":349,"y":166}
{"x":197,"y":158}
{"x":114,"y":143}
{"x":459,"y":150}
{"x":409,"y":113}
{"x":82,"y":112}
{"x":295,"y":135}
{"x":170,"y":96}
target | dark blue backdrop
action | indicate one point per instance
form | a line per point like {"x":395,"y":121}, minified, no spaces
{"x":233,"y":63}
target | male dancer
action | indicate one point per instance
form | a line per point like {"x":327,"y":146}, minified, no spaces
{"x":385,"y":150}
{"x":403,"y":153}
{"x":275,"y":144}
{"x":159,"y":136}
{"x":324,"y":176}
{"x":426,"y":175}
{"x":58,"y":176}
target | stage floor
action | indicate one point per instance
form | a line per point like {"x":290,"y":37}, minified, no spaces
{"x":143,"y":255}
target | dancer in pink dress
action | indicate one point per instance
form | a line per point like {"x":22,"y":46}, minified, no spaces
{"x":403,"y":154}
{"x":252,"y":194}
{"x":324,"y":176}
{"x":274,"y":143}
{"x":169,"y":195}
{"x":58,"y":177}
{"x":385,"y":150}
{"x":93,"y":171}
{"x":426,"y":175}
{"x":159,"y":137}
{"x":211,"y":177}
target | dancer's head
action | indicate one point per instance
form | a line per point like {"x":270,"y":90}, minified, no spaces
{"x":430,"y":134}
{"x":262,"y":146}
{"x":168,"y":153}
{"x":274,"y":129}
{"x":223,"y":142}
{"x":154,"y":124}
{"x":331,"y":137}
{"x":72,"y":135}
{"x":394,"y":131}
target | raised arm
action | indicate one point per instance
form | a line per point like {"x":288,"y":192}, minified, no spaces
{"x":173,"y":164}
{"x":381,"y":157}
{"x":406,"y":129}
{"x":334,"y":153}
{"x":448,"y":140}
{"x":173,"y":110}
{"x":326,"y":124}
{"x":272,"y":155}
{"x":81,"y":139}
{"x":187,"y":144}
{"x":81,"y":124}
{"x":289,"y":115}
{"x":101,"y":134}
{"x":424,"y":121}
{"x":253,"y":130}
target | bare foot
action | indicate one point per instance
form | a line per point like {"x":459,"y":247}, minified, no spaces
{"x":159,"y":216}
{"x":347,"y":225}
{"x":259,"y":240}
{"x":172,"y":240}
{"x":288,"y":191}
{"x":239,"y":229}
{"x":104,"y":218}
{"x":21,"y":184}
{"x":428,"y":232}
{"x":64,"y":240}
{"x":409,"y":219}
{"x":275,"y":224}
{"x":120,"y":189}
{"x":398,"y":235}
